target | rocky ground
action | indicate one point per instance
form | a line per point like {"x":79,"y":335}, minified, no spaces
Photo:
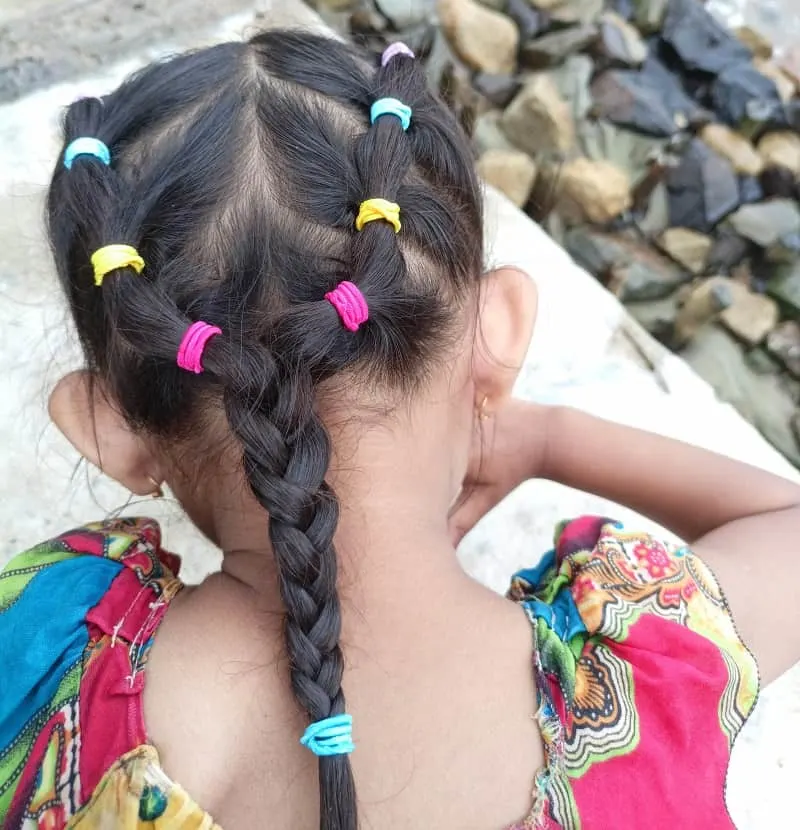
{"x":660,"y":148}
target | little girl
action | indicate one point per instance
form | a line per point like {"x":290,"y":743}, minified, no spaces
{"x":272,"y":255}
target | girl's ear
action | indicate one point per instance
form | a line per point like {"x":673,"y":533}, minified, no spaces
{"x":509,"y":302}
{"x":81,"y":409}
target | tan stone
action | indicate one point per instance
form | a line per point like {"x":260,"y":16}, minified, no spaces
{"x":701,"y":303}
{"x":783,"y":83}
{"x":539,"y":120}
{"x":687,"y":247}
{"x":484,"y":39}
{"x":754,"y":41}
{"x":751,"y":317}
{"x":594,"y":191}
{"x":734,"y":147}
{"x":510,"y":171}
{"x":781,"y":149}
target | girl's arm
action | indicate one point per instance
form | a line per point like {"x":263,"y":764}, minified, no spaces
{"x":743,"y":522}
{"x":686,"y":489}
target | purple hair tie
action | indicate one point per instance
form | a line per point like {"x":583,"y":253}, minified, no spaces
{"x":193,"y":344}
{"x":395,"y":49}
{"x":350,"y":305}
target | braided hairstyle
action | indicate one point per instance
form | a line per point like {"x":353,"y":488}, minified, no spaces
{"x":237,"y":172}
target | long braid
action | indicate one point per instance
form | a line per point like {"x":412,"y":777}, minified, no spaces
{"x":238,"y":172}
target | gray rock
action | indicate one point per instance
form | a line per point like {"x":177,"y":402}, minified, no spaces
{"x":784,"y":286}
{"x":765,"y":223}
{"x":488,"y":134}
{"x":632,"y":151}
{"x":784,"y":344}
{"x":786,"y":249}
{"x":729,"y":249}
{"x":530,"y":21}
{"x":619,"y":43}
{"x":406,"y":13}
{"x":572,"y":79}
{"x":573,"y":12}
{"x":499,"y":89}
{"x":634,"y":271}
{"x":551,"y":49}
{"x":656,"y":316}
{"x":703,"y":188}
{"x":762,"y":399}
{"x":699,"y":40}
{"x":761,"y":362}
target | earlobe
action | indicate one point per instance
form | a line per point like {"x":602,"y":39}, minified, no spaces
{"x":507,"y":315}
{"x":81,"y":410}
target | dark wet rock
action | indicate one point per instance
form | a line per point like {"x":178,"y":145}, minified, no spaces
{"x":766,"y":222}
{"x":499,"y":89}
{"x":631,"y":268}
{"x":728,"y":251}
{"x":649,"y":99}
{"x":784,"y":286}
{"x":619,"y":44}
{"x":552,"y":48}
{"x":703,"y":188}
{"x":762,"y":399}
{"x":530,"y":21}
{"x":648,"y":15}
{"x":792,"y":113}
{"x":750,"y":190}
{"x":778,"y":182}
{"x":784,"y":344}
{"x":741,"y":95}
{"x":699,"y":40}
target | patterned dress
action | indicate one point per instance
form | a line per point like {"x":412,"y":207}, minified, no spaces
{"x":643,"y":683}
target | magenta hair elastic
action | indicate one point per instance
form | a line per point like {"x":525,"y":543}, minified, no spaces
{"x":190,"y":352}
{"x":350,"y":305}
{"x":395,"y":49}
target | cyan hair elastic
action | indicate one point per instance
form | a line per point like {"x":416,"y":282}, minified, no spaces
{"x":86,"y":146}
{"x":391,"y":106}
{"x":331,"y":736}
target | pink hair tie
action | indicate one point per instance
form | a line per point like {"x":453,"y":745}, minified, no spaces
{"x":395,"y":49}
{"x":350,"y":305}
{"x":193,"y":344}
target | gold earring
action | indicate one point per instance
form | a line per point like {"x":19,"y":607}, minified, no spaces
{"x":158,"y":490}
{"x":483,"y":415}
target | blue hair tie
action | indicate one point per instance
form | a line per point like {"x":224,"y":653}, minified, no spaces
{"x":331,"y":736}
{"x":391,"y":106}
{"x":86,"y":146}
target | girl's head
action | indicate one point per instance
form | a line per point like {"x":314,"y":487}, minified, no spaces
{"x":237,"y":173}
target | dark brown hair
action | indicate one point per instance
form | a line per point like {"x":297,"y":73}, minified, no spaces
{"x":237,"y":172}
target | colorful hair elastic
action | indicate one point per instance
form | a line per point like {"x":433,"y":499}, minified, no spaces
{"x":391,"y":106}
{"x":331,"y":736}
{"x":373,"y":209}
{"x":395,"y":49}
{"x":111,"y":257}
{"x":86,"y":146}
{"x":193,"y":344}
{"x":350,"y":304}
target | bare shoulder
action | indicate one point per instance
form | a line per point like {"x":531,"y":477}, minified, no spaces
{"x":216,"y":684}
{"x":757,"y":562}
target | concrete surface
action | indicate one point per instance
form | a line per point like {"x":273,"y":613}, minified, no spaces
{"x":586,"y":352}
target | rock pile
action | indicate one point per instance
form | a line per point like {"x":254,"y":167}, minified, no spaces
{"x":661,"y":149}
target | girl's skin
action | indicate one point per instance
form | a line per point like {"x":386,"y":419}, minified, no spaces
{"x":444,"y":725}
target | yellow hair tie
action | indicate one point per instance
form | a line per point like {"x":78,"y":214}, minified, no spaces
{"x":374,"y":209}
{"x":110,"y":257}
